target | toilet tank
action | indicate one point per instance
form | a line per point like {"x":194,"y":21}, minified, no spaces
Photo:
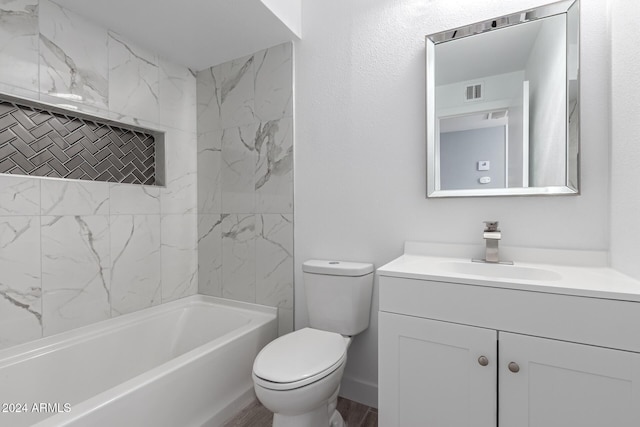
{"x":338,"y":295}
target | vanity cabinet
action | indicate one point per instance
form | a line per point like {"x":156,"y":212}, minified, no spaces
{"x":463,"y":355}
{"x":428,"y":376}
{"x":566,"y":384}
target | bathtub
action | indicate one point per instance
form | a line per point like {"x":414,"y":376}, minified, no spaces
{"x":185,"y":363}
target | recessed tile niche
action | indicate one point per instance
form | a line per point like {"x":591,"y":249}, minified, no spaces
{"x":43,"y":140}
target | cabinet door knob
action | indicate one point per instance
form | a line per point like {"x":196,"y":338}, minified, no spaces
{"x":483,"y":361}
{"x":514,"y":367}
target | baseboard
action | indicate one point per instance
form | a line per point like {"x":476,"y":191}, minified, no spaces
{"x":359,"y":391}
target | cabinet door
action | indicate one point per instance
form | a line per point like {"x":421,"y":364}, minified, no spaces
{"x":430,"y":375}
{"x":561,"y":384}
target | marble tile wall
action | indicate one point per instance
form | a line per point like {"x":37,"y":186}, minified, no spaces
{"x":245,"y":180}
{"x":75,"y":252}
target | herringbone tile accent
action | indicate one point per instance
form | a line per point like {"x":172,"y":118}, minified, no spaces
{"x":38,"y":142}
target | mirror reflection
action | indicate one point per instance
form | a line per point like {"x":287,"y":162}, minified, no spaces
{"x":504,"y":106}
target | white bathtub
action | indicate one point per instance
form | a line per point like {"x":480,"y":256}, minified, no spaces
{"x":185,"y":363}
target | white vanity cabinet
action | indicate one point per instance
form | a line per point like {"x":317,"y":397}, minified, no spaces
{"x":430,"y":374}
{"x":469,"y":355}
{"x":566,"y":384}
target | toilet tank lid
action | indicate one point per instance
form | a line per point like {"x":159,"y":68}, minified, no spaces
{"x":337,"y":268}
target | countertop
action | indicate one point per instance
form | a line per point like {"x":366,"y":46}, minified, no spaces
{"x":582,"y":273}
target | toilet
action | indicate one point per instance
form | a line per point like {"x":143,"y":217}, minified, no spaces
{"x":297,"y":376}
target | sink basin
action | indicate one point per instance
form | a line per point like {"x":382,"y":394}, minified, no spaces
{"x":499,"y":271}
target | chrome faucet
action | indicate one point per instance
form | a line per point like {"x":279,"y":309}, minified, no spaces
{"x":492,"y":236}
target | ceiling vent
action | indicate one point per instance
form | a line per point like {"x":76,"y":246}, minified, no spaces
{"x":473,"y":92}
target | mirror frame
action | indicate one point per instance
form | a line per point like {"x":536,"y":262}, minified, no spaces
{"x":433,"y":171}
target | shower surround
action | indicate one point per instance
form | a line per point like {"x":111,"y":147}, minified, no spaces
{"x":71,"y":252}
{"x":245,"y":180}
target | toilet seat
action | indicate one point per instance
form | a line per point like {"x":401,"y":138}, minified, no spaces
{"x":299,"y":358}
{"x":297,"y":384}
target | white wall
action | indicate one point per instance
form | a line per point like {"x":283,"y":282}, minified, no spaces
{"x":360,"y":148}
{"x":625,"y":138}
{"x":548,"y":100}
{"x":461,"y":151}
{"x":517,"y":140}
{"x":289,"y":12}
{"x":499,"y":91}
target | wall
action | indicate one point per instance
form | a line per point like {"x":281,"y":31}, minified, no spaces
{"x":245,"y":180}
{"x":461,"y":151}
{"x":75,"y":252}
{"x":289,"y":12}
{"x":360,"y":148}
{"x":547,"y":99}
{"x":499,"y":91}
{"x":518,"y":142}
{"x":625,"y":135}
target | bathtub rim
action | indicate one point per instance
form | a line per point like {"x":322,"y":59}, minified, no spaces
{"x":41,"y":346}
{"x":263,"y":318}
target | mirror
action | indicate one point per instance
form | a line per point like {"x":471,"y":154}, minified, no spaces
{"x":503,"y":105}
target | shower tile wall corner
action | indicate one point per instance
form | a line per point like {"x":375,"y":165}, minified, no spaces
{"x":75,"y":252}
{"x":245,"y":180}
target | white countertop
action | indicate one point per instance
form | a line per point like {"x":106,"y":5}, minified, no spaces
{"x":588,"y":276}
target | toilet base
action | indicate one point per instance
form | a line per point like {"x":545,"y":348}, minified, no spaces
{"x":336,"y":420}
{"x":325,"y":416}
{"x":318,"y":418}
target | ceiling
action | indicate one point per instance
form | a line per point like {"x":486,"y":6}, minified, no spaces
{"x":194,"y":33}
{"x":487,"y":54}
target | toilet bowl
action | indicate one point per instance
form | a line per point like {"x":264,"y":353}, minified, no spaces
{"x":297,"y":376}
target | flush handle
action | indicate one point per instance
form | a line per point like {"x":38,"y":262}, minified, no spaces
{"x":514,"y":367}
{"x":483,"y":361}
